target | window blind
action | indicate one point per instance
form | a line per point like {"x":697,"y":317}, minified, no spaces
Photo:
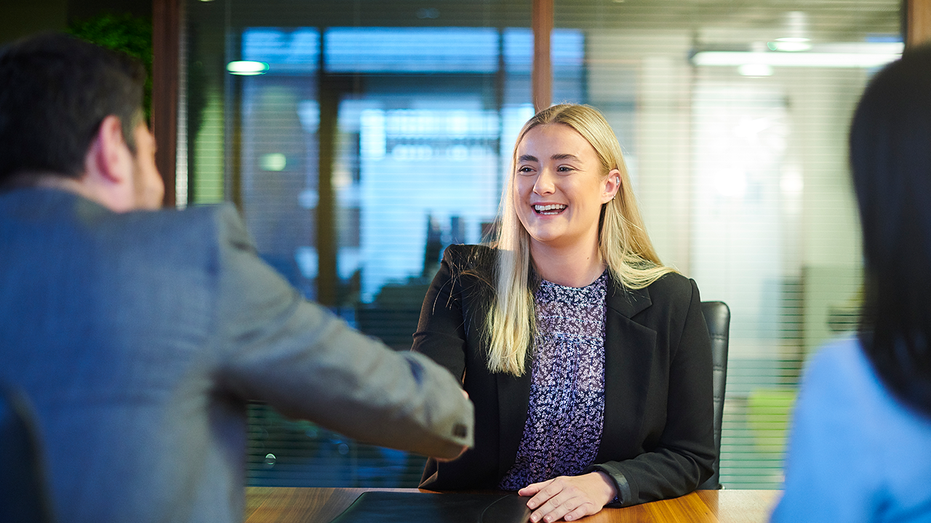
{"x":739,"y":169}
{"x":742,"y":177}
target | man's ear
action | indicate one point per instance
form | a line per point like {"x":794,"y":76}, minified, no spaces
{"x":109,"y":159}
{"x":108,"y":168}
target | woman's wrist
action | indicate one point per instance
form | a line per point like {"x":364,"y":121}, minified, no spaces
{"x":610,"y":491}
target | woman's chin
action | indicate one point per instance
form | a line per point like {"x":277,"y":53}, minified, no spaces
{"x":548,"y":239}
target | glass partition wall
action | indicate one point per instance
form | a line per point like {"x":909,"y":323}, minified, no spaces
{"x":359,"y":138}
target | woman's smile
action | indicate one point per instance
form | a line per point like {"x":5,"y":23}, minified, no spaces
{"x":549,"y":209}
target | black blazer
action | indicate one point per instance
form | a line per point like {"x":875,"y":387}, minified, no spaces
{"x":658,"y":435}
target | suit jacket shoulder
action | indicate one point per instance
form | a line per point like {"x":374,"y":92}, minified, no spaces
{"x":477,"y":260}
{"x":669,"y":288}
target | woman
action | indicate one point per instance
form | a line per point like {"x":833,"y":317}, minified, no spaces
{"x":588,"y":361}
{"x":861,"y":434}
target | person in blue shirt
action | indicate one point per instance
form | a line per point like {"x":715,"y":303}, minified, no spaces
{"x":860,"y":444}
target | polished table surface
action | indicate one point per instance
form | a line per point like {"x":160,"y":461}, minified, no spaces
{"x":320,"y":505}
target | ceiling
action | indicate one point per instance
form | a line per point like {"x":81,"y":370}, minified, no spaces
{"x":825,"y":20}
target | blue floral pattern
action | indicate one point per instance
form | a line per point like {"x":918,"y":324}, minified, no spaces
{"x":566,"y":413}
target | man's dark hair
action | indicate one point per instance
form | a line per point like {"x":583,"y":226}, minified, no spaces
{"x":55,"y":91}
{"x":890,"y":158}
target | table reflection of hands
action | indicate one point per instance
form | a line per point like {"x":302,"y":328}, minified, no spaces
{"x":568,"y":497}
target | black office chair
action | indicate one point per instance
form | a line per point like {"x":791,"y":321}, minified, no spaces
{"x":718,"y":318}
{"x":23,"y":489}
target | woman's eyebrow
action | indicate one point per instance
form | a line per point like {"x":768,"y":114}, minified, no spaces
{"x":564,"y":156}
{"x":560,"y":156}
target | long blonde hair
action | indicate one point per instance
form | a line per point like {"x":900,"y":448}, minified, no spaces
{"x":622,"y":242}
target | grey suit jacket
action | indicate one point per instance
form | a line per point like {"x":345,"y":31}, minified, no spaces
{"x":139,"y":337}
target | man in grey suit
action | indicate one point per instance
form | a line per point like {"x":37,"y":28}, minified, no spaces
{"x":138,"y":335}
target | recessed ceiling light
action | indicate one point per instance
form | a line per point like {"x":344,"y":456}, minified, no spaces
{"x":791,"y":45}
{"x":247,"y":67}
{"x":755,"y":70}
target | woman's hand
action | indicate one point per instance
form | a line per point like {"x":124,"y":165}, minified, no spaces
{"x":569,"y":497}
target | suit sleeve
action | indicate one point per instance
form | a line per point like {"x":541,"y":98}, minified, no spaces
{"x":305,"y":362}
{"x":684,"y":453}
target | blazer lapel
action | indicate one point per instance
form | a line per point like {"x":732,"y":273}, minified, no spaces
{"x":513,"y":393}
{"x":628,"y":347}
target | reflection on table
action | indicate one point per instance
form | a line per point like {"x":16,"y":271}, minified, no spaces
{"x":320,"y":505}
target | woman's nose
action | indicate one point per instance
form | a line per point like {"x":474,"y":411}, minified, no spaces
{"x":544,"y":183}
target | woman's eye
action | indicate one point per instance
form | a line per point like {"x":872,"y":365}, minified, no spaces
{"x":524,"y":170}
{"x":564,"y":168}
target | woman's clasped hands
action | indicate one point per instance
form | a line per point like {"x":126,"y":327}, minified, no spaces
{"x":569,"y":497}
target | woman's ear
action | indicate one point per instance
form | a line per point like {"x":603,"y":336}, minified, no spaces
{"x":612,"y":184}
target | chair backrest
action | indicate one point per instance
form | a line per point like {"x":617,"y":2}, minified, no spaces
{"x":718,"y":318}
{"x":23,"y":489}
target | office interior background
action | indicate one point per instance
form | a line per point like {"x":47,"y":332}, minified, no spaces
{"x":360,"y":137}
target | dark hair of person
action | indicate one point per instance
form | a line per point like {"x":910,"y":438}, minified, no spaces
{"x":55,"y":91}
{"x":890,"y":158}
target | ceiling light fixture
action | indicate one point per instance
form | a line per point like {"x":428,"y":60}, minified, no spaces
{"x":755,"y":70}
{"x":247,"y":68}
{"x":840,"y":55}
{"x":790,"y":45}
{"x":796,"y":36}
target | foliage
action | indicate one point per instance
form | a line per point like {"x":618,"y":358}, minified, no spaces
{"x":121,"y":32}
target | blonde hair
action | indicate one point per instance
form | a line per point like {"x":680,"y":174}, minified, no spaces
{"x":622,"y":242}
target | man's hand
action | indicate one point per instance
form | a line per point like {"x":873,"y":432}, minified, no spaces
{"x":569,"y":497}
{"x":464,"y":448}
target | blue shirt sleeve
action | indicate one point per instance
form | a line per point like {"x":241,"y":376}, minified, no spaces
{"x":831,"y":464}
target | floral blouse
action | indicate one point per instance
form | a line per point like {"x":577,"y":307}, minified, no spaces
{"x":566,"y":413}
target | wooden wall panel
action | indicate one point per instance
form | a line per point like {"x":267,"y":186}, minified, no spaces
{"x":542,"y":20}
{"x":918,"y":23}
{"x":166,"y":39}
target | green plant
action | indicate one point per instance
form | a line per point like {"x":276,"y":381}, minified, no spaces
{"x":125,"y":33}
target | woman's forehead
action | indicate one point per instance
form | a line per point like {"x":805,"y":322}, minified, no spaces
{"x":554,"y":138}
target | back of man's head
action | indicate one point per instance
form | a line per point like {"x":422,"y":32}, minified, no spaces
{"x":55,"y":91}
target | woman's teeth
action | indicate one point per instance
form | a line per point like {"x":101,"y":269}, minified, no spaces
{"x":549,"y":209}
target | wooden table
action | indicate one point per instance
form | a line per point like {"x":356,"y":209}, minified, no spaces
{"x":320,"y":505}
